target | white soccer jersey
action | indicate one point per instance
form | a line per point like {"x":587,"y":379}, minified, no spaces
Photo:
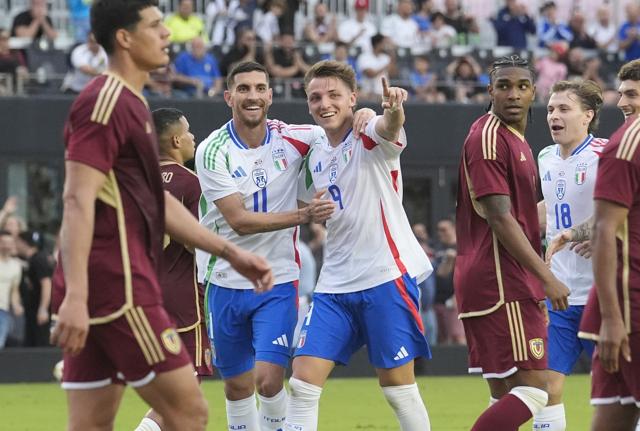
{"x":567,"y":187}
{"x":369,"y":239}
{"x":266,"y":178}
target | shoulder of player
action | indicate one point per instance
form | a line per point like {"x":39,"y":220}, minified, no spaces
{"x":487,"y":132}
{"x":103,"y":94}
{"x":628,"y":138}
{"x":216,"y":145}
{"x":177,"y":169}
{"x":546,"y":151}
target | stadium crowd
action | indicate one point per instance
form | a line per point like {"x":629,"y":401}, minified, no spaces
{"x":438,"y":50}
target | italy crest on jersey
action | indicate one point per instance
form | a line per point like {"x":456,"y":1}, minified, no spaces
{"x":581,"y":173}
{"x":347,"y":150}
{"x":279,"y":159}
{"x":561,"y":189}
{"x":259,"y":176}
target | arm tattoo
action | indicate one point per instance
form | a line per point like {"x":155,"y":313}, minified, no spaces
{"x":494,"y":205}
{"x":582,"y":232}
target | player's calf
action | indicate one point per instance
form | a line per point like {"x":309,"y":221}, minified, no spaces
{"x":512,"y":410}
{"x":408,"y":406}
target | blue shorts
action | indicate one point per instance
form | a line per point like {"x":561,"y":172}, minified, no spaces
{"x":564,"y":345}
{"x":385,"y":318}
{"x":245,"y":326}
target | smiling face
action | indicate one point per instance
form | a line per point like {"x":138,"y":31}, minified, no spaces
{"x":512,"y":92}
{"x":331,"y":103}
{"x":249,"y":98}
{"x":629,"y":103}
{"x":568,"y":120}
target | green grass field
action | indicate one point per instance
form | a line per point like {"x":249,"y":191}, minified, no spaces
{"x":346,"y":404}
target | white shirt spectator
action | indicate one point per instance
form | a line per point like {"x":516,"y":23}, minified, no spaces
{"x":443,"y":37}
{"x":266,"y":26}
{"x":403,"y":32}
{"x":369,"y":60}
{"x":364,"y":30}
{"x":82,"y":57}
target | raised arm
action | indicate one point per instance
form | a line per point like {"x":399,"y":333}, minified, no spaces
{"x":497,"y":209}
{"x":388,"y":127}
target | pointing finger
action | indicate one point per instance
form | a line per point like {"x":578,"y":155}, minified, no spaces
{"x":385,"y":87}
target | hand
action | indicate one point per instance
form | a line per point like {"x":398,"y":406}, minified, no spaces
{"x":71,"y":329}
{"x":450,"y":254}
{"x":557,"y":293}
{"x":392,"y":97}
{"x":558,"y":243}
{"x":42,"y":316}
{"x":545,"y":311}
{"x":613,"y":343}
{"x":583,"y":248}
{"x":360,"y":120}
{"x":10,"y":205}
{"x":253,"y":267}
{"x":319,"y":210}
{"x":18,"y":310}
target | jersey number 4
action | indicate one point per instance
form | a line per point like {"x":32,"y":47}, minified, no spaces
{"x":563,"y":216}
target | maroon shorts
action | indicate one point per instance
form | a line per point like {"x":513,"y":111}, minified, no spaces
{"x":512,"y":338}
{"x":133,"y":348}
{"x":199,"y":348}
{"x":622,"y":387}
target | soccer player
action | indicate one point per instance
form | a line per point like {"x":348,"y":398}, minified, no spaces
{"x":499,"y":274}
{"x":248,"y":172}
{"x":367,"y":292}
{"x":568,"y":171}
{"x":183,"y":297}
{"x":107,"y":300}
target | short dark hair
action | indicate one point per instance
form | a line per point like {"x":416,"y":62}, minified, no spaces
{"x":630,"y":71}
{"x":245,"y":67}
{"x":32,"y":238}
{"x":109,"y":16}
{"x":376,"y":39}
{"x":163,"y":120}
{"x":589,"y":93}
{"x":511,"y":61}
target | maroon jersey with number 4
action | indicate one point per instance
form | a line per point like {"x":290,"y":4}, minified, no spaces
{"x":618,"y":181}
{"x":183,"y":297}
{"x":109,"y":129}
{"x":496,"y":160}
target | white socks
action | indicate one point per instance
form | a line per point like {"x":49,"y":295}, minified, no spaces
{"x":407,"y":404}
{"x":535,"y":399}
{"x":147,"y":424}
{"x":272,"y":411}
{"x":550,"y":418}
{"x":302,"y":408}
{"x":243,"y":414}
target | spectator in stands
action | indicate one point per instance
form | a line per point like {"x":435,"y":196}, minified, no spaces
{"x":79,"y":11}
{"x":87,"y":61}
{"x":463,"y":74}
{"x":592,"y":71}
{"x":576,"y":63}
{"x":550,"y":29}
{"x":450,"y":329}
{"x":34,"y":23}
{"x":581,"y":37}
{"x":266,"y":24}
{"x":227,"y":20}
{"x":441,"y":34}
{"x":358,"y":31}
{"x":423,"y":16}
{"x":455,"y":17}
{"x":400,"y":28}
{"x":375,"y":65}
{"x":201,"y":68}
{"x":38,"y":294}
{"x":244,"y":49}
{"x":603,"y":31}
{"x":11,"y":63}
{"x":10,"y":276}
{"x":424,"y":83}
{"x":341,"y":54}
{"x":286,"y":61}
{"x":9,"y":207}
{"x":629,"y":34}
{"x":512,"y":24}
{"x":185,"y":24}
{"x":162,"y":83}
{"x":322,"y":27}
{"x":550,"y":69}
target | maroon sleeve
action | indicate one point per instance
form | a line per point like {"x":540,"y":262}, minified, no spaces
{"x":487,"y":169}
{"x":618,"y":180}
{"x":192,"y":195}
{"x":92,"y":143}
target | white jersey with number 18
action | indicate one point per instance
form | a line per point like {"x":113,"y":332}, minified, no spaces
{"x":567,"y":187}
{"x":369,"y":239}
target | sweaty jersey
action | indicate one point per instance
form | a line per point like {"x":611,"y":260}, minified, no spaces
{"x":266,"y":179}
{"x":618,"y":182}
{"x":369,"y":239}
{"x":496,"y":160}
{"x":567,"y":187}
{"x":109,"y":128}
{"x":183,"y":297}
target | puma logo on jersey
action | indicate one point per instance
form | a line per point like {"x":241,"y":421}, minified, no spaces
{"x":522,"y":157}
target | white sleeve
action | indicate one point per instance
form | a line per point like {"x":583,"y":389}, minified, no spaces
{"x":78,"y":59}
{"x":302,"y":136}
{"x":214,"y":174}
{"x":392,"y":149}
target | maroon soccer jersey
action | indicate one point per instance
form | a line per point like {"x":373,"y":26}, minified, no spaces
{"x":183,"y":297}
{"x":109,"y":128}
{"x":618,"y":181}
{"x":496,"y":160}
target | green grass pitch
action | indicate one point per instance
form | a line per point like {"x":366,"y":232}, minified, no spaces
{"x":346,"y":405}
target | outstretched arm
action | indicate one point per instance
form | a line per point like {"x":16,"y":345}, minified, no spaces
{"x":580,"y":235}
{"x":388,"y":127}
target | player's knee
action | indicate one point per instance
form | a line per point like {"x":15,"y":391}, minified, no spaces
{"x":535,"y":399}
{"x":303,"y":391}
{"x":191,"y":414}
{"x":238,"y":389}
{"x":268,"y":386}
